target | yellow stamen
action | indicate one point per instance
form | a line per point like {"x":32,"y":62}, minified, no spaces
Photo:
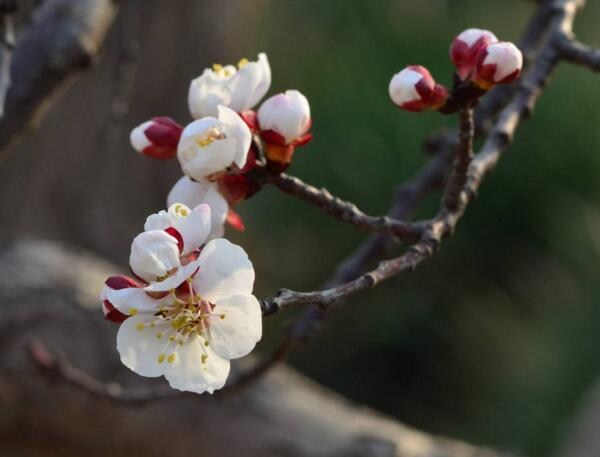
{"x":217,"y":67}
{"x":161,"y":358}
{"x":159,"y":335}
{"x":242,"y":63}
{"x":133,"y":311}
{"x":171,"y":358}
{"x":203,"y":358}
{"x":140,"y":327}
{"x":203,"y":142}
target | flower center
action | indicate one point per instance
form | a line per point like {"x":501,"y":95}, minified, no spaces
{"x":188,"y":317}
{"x":209,"y":137}
{"x":221,"y":71}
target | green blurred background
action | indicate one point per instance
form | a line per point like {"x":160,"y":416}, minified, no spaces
{"x":496,"y":338}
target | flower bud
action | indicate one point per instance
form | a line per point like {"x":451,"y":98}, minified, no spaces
{"x":465,"y":47}
{"x":498,"y":63}
{"x":157,"y":138}
{"x":284,"y":118}
{"x":414,"y":89}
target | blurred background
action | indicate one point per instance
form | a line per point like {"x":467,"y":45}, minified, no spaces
{"x":495,"y":339}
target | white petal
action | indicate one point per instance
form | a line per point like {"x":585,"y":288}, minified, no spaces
{"x":205,"y":94}
{"x":199,"y":162}
{"x":138,"y":137}
{"x":194,"y":228}
{"x":402,"y":87}
{"x":235,"y":127}
{"x":263,"y":85}
{"x":191,"y":371}
{"x":236,"y":326}
{"x":139,"y":347}
{"x":160,"y":221}
{"x":287,"y":114}
{"x":153,"y":254}
{"x":192,"y":193}
{"x":175,"y":280}
{"x":470,"y":36}
{"x":225,"y":270}
{"x":131,"y":300}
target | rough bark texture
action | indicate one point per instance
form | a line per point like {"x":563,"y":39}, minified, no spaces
{"x":50,"y":296}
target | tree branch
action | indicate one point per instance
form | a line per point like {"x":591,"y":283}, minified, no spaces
{"x":63,"y":39}
{"x":498,"y":140}
{"x":579,"y":53}
{"x":343,"y":210}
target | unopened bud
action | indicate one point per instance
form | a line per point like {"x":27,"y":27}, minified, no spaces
{"x":414,"y":89}
{"x":498,"y":63}
{"x":466,"y":46}
{"x":157,"y":138}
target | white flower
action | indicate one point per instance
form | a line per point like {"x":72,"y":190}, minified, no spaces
{"x":237,"y":88}
{"x":156,"y":138}
{"x":465,"y":47}
{"x":190,"y":329}
{"x":193,"y":193}
{"x":498,"y":63}
{"x":287,"y":114}
{"x":414,"y":89}
{"x":209,"y":145}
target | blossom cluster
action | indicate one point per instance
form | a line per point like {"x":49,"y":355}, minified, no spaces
{"x":188,"y":308}
{"x":480,"y":59}
{"x":216,"y":150}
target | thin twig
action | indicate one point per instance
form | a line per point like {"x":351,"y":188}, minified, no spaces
{"x":578,"y":53}
{"x":60,"y":368}
{"x":344,"y":210}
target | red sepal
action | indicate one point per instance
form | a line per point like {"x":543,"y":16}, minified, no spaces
{"x":272,"y":137}
{"x":235,"y":220}
{"x":302,"y":140}
{"x":234,"y":188}
{"x":251,"y":119}
{"x":164,"y":134}
{"x":121,"y":282}
{"x":175,"y":234}
{"x":113,"y":314}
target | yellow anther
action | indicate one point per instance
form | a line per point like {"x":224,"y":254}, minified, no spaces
{"x":133,"y":311}
{"x":171,"y":338}
{"x":206,"y":343}
{"x":203,"y":358}
{"x":140,"y":327}
{"x":217,"y":67}
{"x":152,"y":324}
{"x":222,"y":316}
{"x":159,"y":335}
{"x":242,"y":63}
{"x":161,"y":358}
{"x":179,"y":209}
{"x":171,"y":358}
{"x":205,"y":141}
{"x":227,"y":72}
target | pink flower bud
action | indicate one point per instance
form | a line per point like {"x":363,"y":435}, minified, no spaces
{"x":157,"y":138}
{"x":414,"y":89}
{"x":465,"y":47}
{"x":284,"y":118}
{"x":498,"y":63}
